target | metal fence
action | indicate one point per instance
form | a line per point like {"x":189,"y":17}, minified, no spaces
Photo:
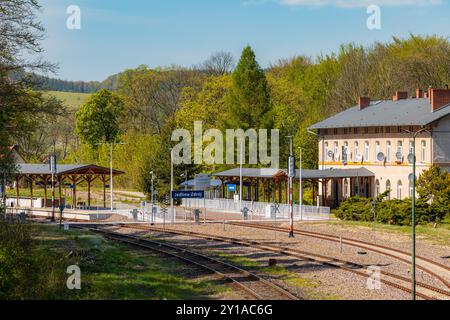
{"x":261,"y":210}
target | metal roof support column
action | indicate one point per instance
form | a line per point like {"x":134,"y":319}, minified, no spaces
{"x":45,"y":190}
{"x":31,"y":191}
{"x":17,"y":190}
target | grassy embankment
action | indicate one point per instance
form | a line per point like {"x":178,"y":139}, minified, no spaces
{"x":439,"y":233}
{"x":108,"y":270}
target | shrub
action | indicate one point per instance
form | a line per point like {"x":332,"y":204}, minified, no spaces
{"x":26,"y":271}
{"x":395,"y":212}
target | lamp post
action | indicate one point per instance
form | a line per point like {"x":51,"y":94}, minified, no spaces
{"x":291,"y":174}
{"x":171,"y":186}
{"x":53,"y":171}
{"x":300,"y":192}
{"x":111,"y":144}
{"x":241,"y":160}
{"x":151,"y":197}
{"x":412,"y":157}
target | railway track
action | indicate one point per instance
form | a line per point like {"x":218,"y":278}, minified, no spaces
{"x":431,"y":267}
{"x":425,"y":291}
{"x":256,"y":286}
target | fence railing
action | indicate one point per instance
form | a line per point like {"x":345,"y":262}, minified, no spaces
{"x":260,"y":209}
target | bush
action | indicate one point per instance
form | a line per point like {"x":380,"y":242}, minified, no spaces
{"x":26,"y":271}
{"x":394,"y":212}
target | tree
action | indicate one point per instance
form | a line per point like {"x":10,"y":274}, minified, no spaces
{"x":249,"y":99}
{"x":433,"y":186}
{"x":98,"y":120}
{"x":218,"y":64}
{"x":154,"y":95}
{"x":20,"y":106}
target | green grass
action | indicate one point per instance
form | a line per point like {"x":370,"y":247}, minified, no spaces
{"x":439,"y":234}
{"x":308,"y":287}
{"x":72,"y":100}
{"x":115,"y":271}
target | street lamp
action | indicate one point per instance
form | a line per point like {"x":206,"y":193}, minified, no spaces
{"x":291,"y":175}
{"x":52,"y":165}
{"x":151,"y":196}
{"x":111,"y":144}
{"x":412,"y":158}
{"x":171,"y":187}
{"x":300,"y":202}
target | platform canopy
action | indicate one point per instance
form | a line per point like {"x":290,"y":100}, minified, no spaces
{"x":264,"y":173}
{"x":271,"y":173}
{"x":334,"y":173}
{"x":273,"y":179}
{"x":72,"y":174}
{"x":64,"y":169}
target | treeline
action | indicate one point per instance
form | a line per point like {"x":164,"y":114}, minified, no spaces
{"x":44,"y":83}
{"x":289,"y":95}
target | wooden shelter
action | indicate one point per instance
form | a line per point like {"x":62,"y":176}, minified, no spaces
{"x":72,"y":174}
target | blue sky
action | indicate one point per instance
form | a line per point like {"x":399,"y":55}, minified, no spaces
{"x":118,"y":34}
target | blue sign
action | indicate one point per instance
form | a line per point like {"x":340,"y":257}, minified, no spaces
{"x":188,"y":194}
{"x":232,"y":187}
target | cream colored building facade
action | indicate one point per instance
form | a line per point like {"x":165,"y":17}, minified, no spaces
{"x":378,"y":136}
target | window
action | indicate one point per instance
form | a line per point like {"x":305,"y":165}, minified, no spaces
{"x":345,"y":152}
{"x":335,"y":131}
{"x":356,"y":153}
{"x":366,"y":130}
{"x":399,"y":190}
{"x":345,"y":130}
{"x":400,"y":147}
{"x":423,"y":151}
{"x":336,"y":151}
{"x":366,"y":151}
{"x":377,"y":149}
{"x":377,"y":130}
{"x":388,"y":188}
{"x":326,"y":151}
{"x":377,"y":188}
{"x":411,"y":147}
{"x":388,"y":151}
{"x":388,"y":129}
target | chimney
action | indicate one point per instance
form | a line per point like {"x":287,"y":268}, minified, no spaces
{"x":439,"y":98}
{"x":400,"y":95}
{"x":419,"y":93}
{"x":363,"y":102}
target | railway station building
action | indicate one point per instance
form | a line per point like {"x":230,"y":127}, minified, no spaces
{"x":379,"y":137}
{"x":364,"y":151}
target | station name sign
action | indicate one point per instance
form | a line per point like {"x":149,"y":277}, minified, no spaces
{"x":188,"y":194}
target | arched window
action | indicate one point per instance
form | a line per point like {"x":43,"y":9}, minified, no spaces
{"x":411,"y":147}
{"x":366,"y":151}
{"x":377,"y":149}
{"x":388,"y":188}
{"x":336,"y":151}
{"x":423,"y":152}
{"x":388,"y":151}
{"x":356,"y":154}
{"x":377,"y":187}
{"x":400,"y":147}
{"x":399,"y":190}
